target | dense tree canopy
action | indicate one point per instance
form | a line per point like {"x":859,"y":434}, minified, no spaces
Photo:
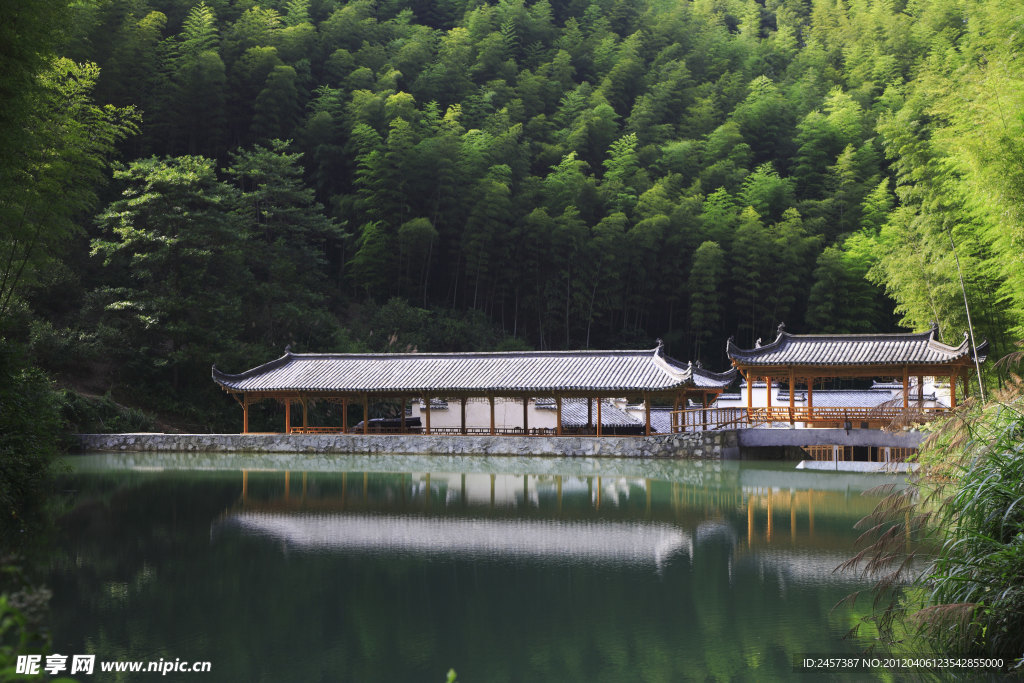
{"x":562,"y":174}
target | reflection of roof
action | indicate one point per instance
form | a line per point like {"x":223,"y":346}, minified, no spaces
{"x":574,"y":413}
{"x":640,"y":543}
{"x":914,"y":348}
{"x":494,"y":372}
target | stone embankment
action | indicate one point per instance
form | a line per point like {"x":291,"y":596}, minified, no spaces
{"x":714,"y":445}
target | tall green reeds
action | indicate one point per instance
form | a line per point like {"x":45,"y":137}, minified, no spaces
{"x":976,"y":581}
{"x":963,"y":521}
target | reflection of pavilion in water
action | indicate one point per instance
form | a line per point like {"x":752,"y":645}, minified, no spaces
{"x":549,"y":518}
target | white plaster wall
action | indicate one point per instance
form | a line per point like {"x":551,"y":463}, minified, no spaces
{"x":508,"y":413}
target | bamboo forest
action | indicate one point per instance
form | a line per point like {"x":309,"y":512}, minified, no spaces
{"x":189,"y":183}
{"x":192,"y":185}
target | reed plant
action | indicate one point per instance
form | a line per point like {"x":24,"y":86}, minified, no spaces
{"x":947,"y":553}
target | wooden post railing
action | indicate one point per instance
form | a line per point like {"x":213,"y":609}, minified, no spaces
{"x":721,"y":418}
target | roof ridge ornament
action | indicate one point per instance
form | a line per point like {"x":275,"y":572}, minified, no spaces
{"x":781,"y":328}
{"x":757,"y":344}
{"x":661,"y":346}
{"x":287,"y":349}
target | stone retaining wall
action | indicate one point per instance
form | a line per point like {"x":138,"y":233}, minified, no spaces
{"x":686,"y":445}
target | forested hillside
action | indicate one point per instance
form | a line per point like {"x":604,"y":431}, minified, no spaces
{"x":458,"y":175}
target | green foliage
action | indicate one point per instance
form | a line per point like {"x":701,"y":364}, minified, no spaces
{"x":553,"y":168}
{"x":30,"y":425}
{"x":83,"y":414}
{"x":963,"y":523}
{"x":57,"y":156}
{"x":975,"y":585}
{"x":23,"y":613}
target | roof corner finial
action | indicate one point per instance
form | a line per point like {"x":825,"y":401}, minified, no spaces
{"x":729,"y":342}
{"x":689,"y":365}
{"x":757,"y":344}
{"x":781,"y":328}
{"x":287,"y":349}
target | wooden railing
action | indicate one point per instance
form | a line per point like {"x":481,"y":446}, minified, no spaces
{"x":698,"y":419}
{"x":854,"y":415}
{"x":704,"y":419}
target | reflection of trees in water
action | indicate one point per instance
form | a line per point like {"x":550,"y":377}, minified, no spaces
{"x":141,"y":575}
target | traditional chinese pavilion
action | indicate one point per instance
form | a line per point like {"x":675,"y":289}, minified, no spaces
{"x":803,"y":359}
{"x":302,"y":378}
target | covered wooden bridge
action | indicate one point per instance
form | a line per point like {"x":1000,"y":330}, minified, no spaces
{"x":362,"y":379}
{"x":801,"y":361}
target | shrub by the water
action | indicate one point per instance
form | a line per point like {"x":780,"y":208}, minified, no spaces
{"x":966,"y":516}
{"x":976,"y":582}
{"x":29,"y":431}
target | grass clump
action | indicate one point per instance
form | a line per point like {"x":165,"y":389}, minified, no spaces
{"x":947,"y":553}
{"x":976,"y":580}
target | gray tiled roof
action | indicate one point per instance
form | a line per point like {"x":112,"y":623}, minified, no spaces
{"x":661,"y":421}
{"x":498,"y":372}
{"x":914,"y":348}
{"x":854,"y":398}
{"x":574,"y":413}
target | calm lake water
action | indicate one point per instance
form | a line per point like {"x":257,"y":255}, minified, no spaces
{"x":392,"y":568}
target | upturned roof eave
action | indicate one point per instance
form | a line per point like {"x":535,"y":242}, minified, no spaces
{"x":482,"y":391}
{"x":673,"y":376}
{"x":752,"y":357}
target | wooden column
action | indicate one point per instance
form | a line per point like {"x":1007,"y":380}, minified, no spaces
{"x":768,"y":393}
{"x":366,"y":413}
{"x":952,"y":391}
{"x":906,"y":388}
{"x":490,"y":399}
{"x":920,"y":392}
{"x":305,"y":410}
{"x":287,"y":416}
{"x":750,"y":395}
{"x":426,"y":403}
{"x":402,"y":409}
{"x":704,"y":410}
{"x":792,"y":397}
{"x":558,"y":415}
{"x":675,"y":414}
{"x":526,"y":418}
{"x":344,"y":415}
{"x":647,"y":415}
{"x":462,"y":415}
{"x":810,"y":398}
{"x":590,"y":413}
{"x":245,"y":414}
{"x":599,"y":418}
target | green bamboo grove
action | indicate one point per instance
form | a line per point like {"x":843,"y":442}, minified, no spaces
{"x":456,"y":175}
